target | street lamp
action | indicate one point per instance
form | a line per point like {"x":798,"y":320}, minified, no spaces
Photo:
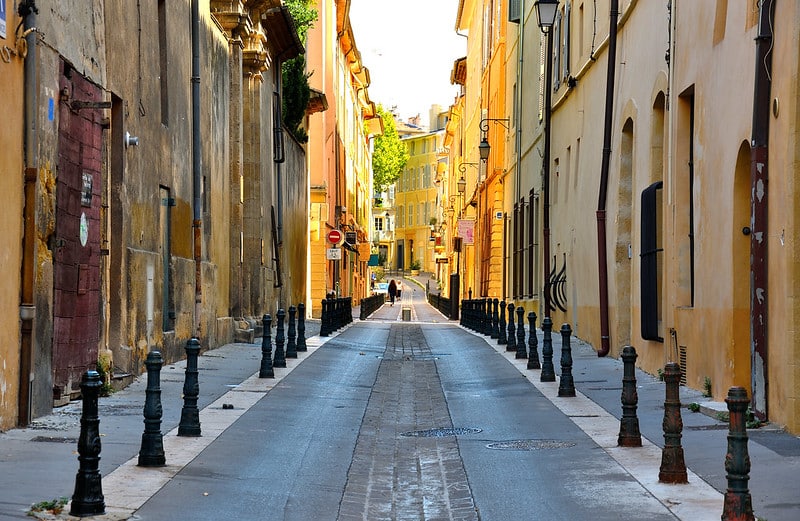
{"x":546,"y":12}
{"x":462,"y":185}
{"x":484,"y":147}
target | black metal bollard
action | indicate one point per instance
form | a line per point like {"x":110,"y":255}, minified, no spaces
{"x":738,"y":505}
{"x":548,"y":371}
{"x":88,"y":498}
{"x":511,"y":345}
{"x":629,"y":435}
{"x":673,"y":467}
{"x":502,"y":339}
{"x":522,"y":350}
{"x":151,"y":453}
{"x":324,"y":327}
{"x":533,"y":343}
{"x":494,"y":304}
{"x":566,"y":386}
{"x":301,"y":327}
{"x":266,"y":370}
{"x":280,"y":339}
{"x":291,"y":345}
{"x":190,"y":415}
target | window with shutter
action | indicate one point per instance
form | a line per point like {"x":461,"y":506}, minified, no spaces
{"x":514,"y":10}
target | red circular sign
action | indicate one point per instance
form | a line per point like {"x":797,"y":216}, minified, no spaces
{"x":334,"y":236}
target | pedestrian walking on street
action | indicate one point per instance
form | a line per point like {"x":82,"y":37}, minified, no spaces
{"x":392,"y":291}
{"x":399,"y":290}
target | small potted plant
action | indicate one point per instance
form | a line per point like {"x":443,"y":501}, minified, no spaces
{"x":415,"y":267}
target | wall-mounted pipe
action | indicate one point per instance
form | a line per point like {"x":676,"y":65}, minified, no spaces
{"x":31,"y":144}
{"x":759,"y":182}
{"x":197,"y":176}
{"x":602,"y":254}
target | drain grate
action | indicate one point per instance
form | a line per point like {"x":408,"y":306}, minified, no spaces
{"x":441,"y":432}
{"x":530,"y":445}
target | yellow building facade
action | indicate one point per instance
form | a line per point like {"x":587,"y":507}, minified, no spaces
{"x":340,"y":158}
{"x":15,"y":329}
{"x":486,"y":119}
{"x":665,"y":198}
{"x":417,"y":205}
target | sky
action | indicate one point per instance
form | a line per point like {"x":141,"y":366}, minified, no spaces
{"x":409,"y":48}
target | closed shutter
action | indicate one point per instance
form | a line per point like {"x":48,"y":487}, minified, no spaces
{"x":514,"y":11}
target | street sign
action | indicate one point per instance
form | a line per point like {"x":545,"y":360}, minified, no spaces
{"x":334,"y":236}
{"x":350,"y":238}
{"x":334,"y":254}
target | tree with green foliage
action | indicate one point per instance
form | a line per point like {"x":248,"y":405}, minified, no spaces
{"x":296,"y":91}
{"x":390,"y":154}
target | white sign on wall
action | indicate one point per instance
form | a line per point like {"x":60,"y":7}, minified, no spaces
{"x":466,"y":229}
{"x":334,"y":254}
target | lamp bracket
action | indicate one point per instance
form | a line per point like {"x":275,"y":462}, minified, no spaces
{"x":484,"y":124}
{"x":463,"y":166}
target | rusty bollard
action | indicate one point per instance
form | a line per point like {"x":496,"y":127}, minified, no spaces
{"x":512,"y":332}
{"x":629,"y":435}
{"x":88,"y":498}
{"x":291,"y":344}
{"x":266,"y":370}
{"x":738,"y":504}
{"x":673,"y":467}
{"x":280,"y":339}
{"x":566,"y":385}
{"x":522,"y":349}
{"x":548,"y":373}
{"x":301,"y":327}
{"x":190,"y":414}
{"x":151,"y":453}
{"x":533,"y":343}
{"x":503,"y":339}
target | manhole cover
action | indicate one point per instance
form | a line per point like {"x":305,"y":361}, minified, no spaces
{"x":55,"y":439}
{"x":530,"y":445}
{"x":441,"y":433}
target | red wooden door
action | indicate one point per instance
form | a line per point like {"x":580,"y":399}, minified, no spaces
{"x":76,"y":263}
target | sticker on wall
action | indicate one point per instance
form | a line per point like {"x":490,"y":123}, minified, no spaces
{"x":84,"y":229}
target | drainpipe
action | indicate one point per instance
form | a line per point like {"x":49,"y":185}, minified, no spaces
{"x":27,"y":305}
{"x":758,"y":237}
{"x":548,"y":89}
{"x":602,"y":255}
{"x":518,"y":137}
{"x":197,"y":223}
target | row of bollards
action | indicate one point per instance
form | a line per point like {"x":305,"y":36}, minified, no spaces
{"x":294,"y":339}
{"x":487,"y":316}
{"x":336,"y":313}
{"x":87,"y":499}
{"x":370,"y":304}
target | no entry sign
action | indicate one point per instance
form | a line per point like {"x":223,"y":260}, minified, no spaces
{"x":334,"y":236}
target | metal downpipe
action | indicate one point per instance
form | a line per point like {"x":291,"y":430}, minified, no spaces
{"x":759,"y":178}
{"x":197,"y":223}
{"x":27,"y":303}
{"x":602,"y":254}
